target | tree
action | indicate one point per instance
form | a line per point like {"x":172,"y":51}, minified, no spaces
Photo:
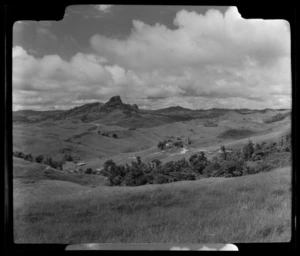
{"x":39,"y":159}
{"x":223,"y":152}
{"x":108,"y":166}
{"x":248,"y":150}
{"x":19,"y":154}
{"x":59,"y":164}
{"x":258,"y":146}
{"x":178,"y":144}
{"x":48,"y":161}
{"x":115,"y":136}
{"x":28,"y":158}
{"x":68,"y":158}
{"x":198,"y":162}
{"x":139,"y":160}
{"x":161,"y":145}
{"x":88,"y":171}
{"x":156,"y":163}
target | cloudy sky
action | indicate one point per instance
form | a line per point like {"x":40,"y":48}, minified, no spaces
{"x":154,"y":56}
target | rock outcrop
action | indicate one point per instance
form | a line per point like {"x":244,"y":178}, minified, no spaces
{"x":115,"y":102}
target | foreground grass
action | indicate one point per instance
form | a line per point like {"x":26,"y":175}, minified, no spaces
{"x":255,"y":208}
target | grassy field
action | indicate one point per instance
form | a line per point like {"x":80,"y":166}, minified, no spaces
{"x":255,"y":208}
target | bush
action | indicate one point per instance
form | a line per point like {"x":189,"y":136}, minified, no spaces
{"x":263,"y":167}
{"x":28,"y":157}
{"x":210,"y":168}
{"x":115,"y":136}
{"x":68,"y":158}
{"x":39,"y":159}
{"x":160,"y":179}
{"x":88,"y":171}
{"x":198,"y":162}
{"x":248,"y":150}
{"x":178,"y":144}
{"x":161,"y":145}
{"x":108,"y":166}
{"x":223,"y":152}
{"x":233,"y":168}
{"x":18,"y":154}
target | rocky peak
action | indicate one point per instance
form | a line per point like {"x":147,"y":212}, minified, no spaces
{"x":115,"y":100}
{"x":135,"y":106}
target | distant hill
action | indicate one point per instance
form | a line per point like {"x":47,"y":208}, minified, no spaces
{"x":115,"y":112}
{"x":33,"y":115}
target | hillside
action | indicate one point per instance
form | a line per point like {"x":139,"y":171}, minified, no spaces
{"x":75,"y":207}
{"x":257,"y":207}
{"x":33,"y":116}
{"x":79,"y":131}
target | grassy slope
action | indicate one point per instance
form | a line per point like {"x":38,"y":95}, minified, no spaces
{"x":27,"y":172}
{"x":254,"y":208}
{"x":73,"y":136}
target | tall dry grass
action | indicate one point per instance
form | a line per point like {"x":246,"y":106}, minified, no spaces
{"x":254,"y":208}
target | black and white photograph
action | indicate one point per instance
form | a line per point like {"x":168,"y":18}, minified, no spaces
{"x":152,"y":124}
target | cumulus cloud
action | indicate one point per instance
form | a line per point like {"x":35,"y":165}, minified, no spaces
{"x":199,"y":40}
{"x":210,"y":60}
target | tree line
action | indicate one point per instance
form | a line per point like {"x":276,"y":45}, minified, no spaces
{"x":250,"y":159}
{"x":41,"y":159}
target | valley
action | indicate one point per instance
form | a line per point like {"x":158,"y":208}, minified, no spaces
{"x":90,"y":210}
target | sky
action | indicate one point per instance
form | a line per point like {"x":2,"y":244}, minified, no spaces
{"x":197,"y":57}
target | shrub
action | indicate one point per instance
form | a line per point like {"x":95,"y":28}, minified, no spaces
{"x":160,"y":179}
{"x":198,"y":162}
{"x":28,"y":157}
{"x":88,"y":171}
{"x":258,"y":147}
{"x":178,"y":144}
{"x":68,"y":158}
{"x":263,"y":167}
{"x":161,"y":145}
{"x":248,"y":150}
{"x":39,"y":159}
{"x":233,"y":168}
{"x":156,"y":164}
{"x":210,"y":168}
{"x":223,"y":152}
{"x":115,"y":136}
{"x":57,"y":164}
{"x":108,"y":166}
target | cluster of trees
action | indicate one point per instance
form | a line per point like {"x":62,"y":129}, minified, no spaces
{"x":250,"y":159}
{"x":140,"y":173}
{"x":40,"y":159}
{"x":115,"y":136}
{"x":247,"y":160}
